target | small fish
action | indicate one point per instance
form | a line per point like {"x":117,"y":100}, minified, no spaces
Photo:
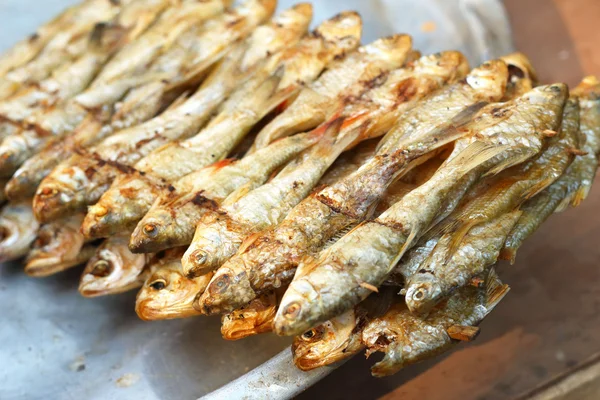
{"x":131,"y":196}
{"x":254,"y":318}
{"x":58,"y":246}
{"x":341,"y":337}
{"x":572,"y":187}
{"x":442,"y":273}
{"x":345,"y":273}
{"x":113,"y":269}
{"x":407,"y":339}
{"x":18,"y":228}
{"x":167,"y":293}
{"x":173,"y":217}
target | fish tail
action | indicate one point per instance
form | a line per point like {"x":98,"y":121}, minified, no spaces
{"x":564,"y":204}
{"x":537,"y":188}
{"x":495,"y":290}
{"x":507,"y":163}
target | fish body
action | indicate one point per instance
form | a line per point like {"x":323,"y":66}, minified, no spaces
{"x":407,"y":339}
{"x":167,"y":293}
{"x":18,"y":228}
{"x":116,"y":206}
{"x":58,"y":246}
{"x":113,"y":269}
{"x":344,"y":274}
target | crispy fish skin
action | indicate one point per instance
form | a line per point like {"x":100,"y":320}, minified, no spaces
{"x":174,"y":215}
{"x":18,"y":228}
{"x":573,"y":186}
{"x":506,"y":133}
{"x":293,"y":67}
{"x":131,"y":196}
{"x":254,"y":318}
{"x":113,"y":269}
{"x":406,"y":339}
{"x":63,"y":47}
{"x":60,"y":192}
{"x":440,"y":274}
{"x":341,"y":337}
{"x":167,"y":293}
{"x":58,"y":246}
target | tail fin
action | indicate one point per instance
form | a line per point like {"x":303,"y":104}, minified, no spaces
{"x":495,"y":290}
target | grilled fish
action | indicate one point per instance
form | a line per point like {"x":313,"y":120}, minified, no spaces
{"x":407,"y":339}
{"x":341,"y":276}
{"x":254,"y":318}
{"x":113,"y":269}
{"x":167,"y":293}
{"x":116,"y":208}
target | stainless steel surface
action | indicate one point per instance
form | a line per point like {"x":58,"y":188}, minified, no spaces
{"x":58,"y":345}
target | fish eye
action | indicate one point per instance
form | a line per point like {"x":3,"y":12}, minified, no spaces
{"x":101,"y":268}
{"x":308,"y":334}
{"x":419,"y":294}
{"x":150,"y":230}
{"x":158,"y":284}
{"x":313,"y":334}
{"x":200,"y":256}
{"x":292,"y":310}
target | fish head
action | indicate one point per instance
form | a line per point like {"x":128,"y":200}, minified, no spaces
{"x":113,"y":269}
{"x":343,"y":30}
{"x":329,"y":342}
{"x":168,"y":293}
{"x":228,"y":289}
{"x":158,"y":230}
{"x":119,"y":208}
{"x":553,"y":95}
{"x":423,"y":293}
{"x":251,"y":319}
{"x":489,"y":79}
{"x":208,"y":250}
{"x":17,"y":230}
{"x":295,"y":313}
{"x":60,"y":191}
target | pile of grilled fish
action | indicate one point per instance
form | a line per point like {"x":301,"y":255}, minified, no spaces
{"x":223,"y":159}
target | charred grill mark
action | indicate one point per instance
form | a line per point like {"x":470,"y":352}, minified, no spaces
{"x":406,"y":90}
{"x":128,"y":193}
{"x":148,"y":140}
{"x":201,"y":201}
{"x":90,"y":172}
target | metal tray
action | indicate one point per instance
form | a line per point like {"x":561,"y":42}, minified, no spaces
{"x":56,"y":344}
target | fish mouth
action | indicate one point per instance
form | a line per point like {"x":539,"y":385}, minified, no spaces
{"x":225,"y":293}
{"x":148,"y":311}
{"x":46,"y":266}
{"x":49,"y":203}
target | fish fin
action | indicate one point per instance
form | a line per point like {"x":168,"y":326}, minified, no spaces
{"x":238,"y":193}
{"x":476,"y":154}
{"x":338,"y":235}
{"x":509,"y":162}
{"x":458,"y":235}
{"x":463,"y":333}
{"x":179,"y":100}
{"x":247,"y":242}
{"x":509,"y":254}
{"x":197,"y":72}
{"x":411,"y":238}
{"x":536,"y":188}
{"x":495,"y":290}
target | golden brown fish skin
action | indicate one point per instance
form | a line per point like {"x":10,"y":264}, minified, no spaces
{"x":407,"y":339}
{"x":317,"y":101}
{"x":442,"y":273}
{"x":131,"y":196}
{"x":341,"y":337}
{"x":174,"y":215}
{"x":113,"y":269}
{"x":167,"y":293}
{"x":58,"y":246}
{"x":508,"y":133}
{"x":254,"y":318}
{"x":18,"y":228}
{"x":71,"y":41}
